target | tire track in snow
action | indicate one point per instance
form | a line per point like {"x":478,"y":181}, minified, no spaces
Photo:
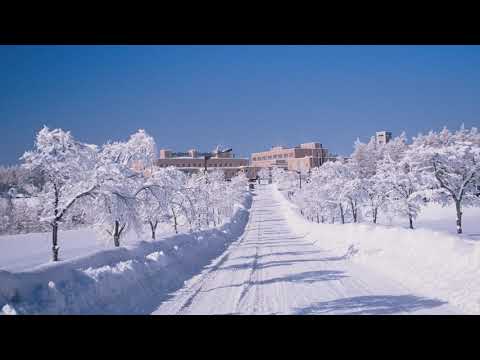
{"x":194,"y":289}
{"x":253,"y":271}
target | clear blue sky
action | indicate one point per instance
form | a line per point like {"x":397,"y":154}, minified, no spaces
{"x":247,"y":97}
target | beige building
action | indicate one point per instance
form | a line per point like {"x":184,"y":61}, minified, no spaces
{"x":194,"y":161}
{"x":299,"y":158}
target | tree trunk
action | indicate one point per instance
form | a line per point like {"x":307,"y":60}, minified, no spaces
{"x":354,"y":211}
{"x":375,"y":212}
{"x":55,"y":246}
{"x":318,"y":219}
{"x":458,"y":207}
{"x":342,"y":215}
{"x":10,"y":211}
{"x":190,"y":224}
{"x":153,"y":227}
{"x":116,"y":235}
{"x":174,"y":221}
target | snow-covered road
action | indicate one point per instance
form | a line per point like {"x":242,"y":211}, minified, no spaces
{"x":273,"y":270}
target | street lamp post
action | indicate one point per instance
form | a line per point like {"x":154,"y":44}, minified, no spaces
{"x":206,"y":157}
{"x":300,"y":178}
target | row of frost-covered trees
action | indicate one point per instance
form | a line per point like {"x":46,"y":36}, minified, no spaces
{"x":395,"y":179}
{"x":76,"y":182}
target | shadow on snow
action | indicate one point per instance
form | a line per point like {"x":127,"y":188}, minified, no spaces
{"x":371,"y":305}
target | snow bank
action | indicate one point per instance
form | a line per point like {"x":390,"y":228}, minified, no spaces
{"x":433,"y":263}
{"x":132,"y":279}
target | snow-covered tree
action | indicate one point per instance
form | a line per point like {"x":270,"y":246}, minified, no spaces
{"x":264,"y":174}
{"x":449,"y":163}
{"x":285,"y":180}
{"x":151,"y":204}
{"x":115,"y":204}
{"x":115,"y":196}
{"x":278,"y":175}
{"x":395,"y":148}
{"x":364,"y":158}
{"x":237,"y":189}
{"x":402,"y":185}
{"x":169,"y":188}
{"x":323,"y":195}
{"x":67,"y":167}
{"x":313,"y":198}
{"x":334,"y":177}
{"x":363,"y":164}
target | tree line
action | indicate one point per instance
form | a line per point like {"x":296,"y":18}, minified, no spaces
{"x":100,"y":185}
{"x":395,"y":178}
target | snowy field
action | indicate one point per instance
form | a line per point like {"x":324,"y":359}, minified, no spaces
{"x":26,"y":251}
{"x":432,"y":259}
{"x":438,"y":218}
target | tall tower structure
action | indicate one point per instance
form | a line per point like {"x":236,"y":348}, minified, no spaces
{"x":383,"y":137}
